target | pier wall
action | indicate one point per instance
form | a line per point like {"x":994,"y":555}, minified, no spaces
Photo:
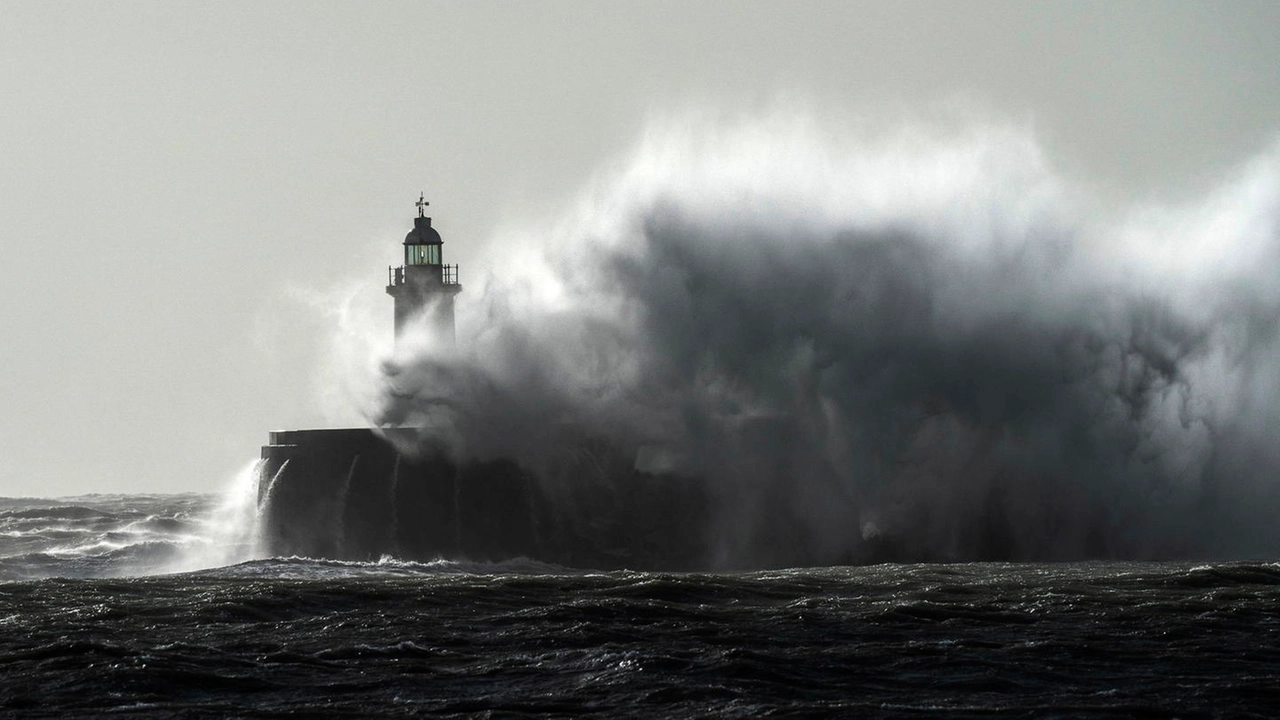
{"x":349,"y":495}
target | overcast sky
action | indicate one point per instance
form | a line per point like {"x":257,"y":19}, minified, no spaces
{"x":175,"y":175}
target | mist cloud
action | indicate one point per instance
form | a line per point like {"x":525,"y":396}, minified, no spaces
{"x":914,"y":347}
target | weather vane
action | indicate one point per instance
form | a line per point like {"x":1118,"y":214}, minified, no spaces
{"x":422,"y":205}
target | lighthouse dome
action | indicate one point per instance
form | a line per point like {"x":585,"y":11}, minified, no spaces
{"x":422,"y":233}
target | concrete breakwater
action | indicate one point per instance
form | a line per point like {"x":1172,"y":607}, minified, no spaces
{"x":350,"y":495}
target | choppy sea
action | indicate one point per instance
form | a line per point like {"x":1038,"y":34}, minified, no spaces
{"x":156,"y":606}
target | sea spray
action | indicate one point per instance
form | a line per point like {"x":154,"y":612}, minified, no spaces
{"x":264,"y":503}
{"x":265,"y":499}
{"x":230,"y":531}
{"x":896,"y":349}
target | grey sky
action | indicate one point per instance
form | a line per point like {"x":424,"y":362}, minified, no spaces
{"x":171,"y":172}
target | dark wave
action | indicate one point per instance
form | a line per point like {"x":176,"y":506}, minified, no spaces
{"x":302,"y":567}
{"x":969,"y":640}
{"x":59,"y":512}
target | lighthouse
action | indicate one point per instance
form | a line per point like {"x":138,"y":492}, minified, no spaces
{"x":423,"y":288}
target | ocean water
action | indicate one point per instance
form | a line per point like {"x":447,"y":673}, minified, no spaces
{"x":158,"y":606}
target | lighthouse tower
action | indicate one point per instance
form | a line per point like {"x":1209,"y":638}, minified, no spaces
{"x":423,"y":288}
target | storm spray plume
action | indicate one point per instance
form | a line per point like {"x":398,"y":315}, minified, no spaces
{"x":909,"y":349}
{"x":229,"y":531}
